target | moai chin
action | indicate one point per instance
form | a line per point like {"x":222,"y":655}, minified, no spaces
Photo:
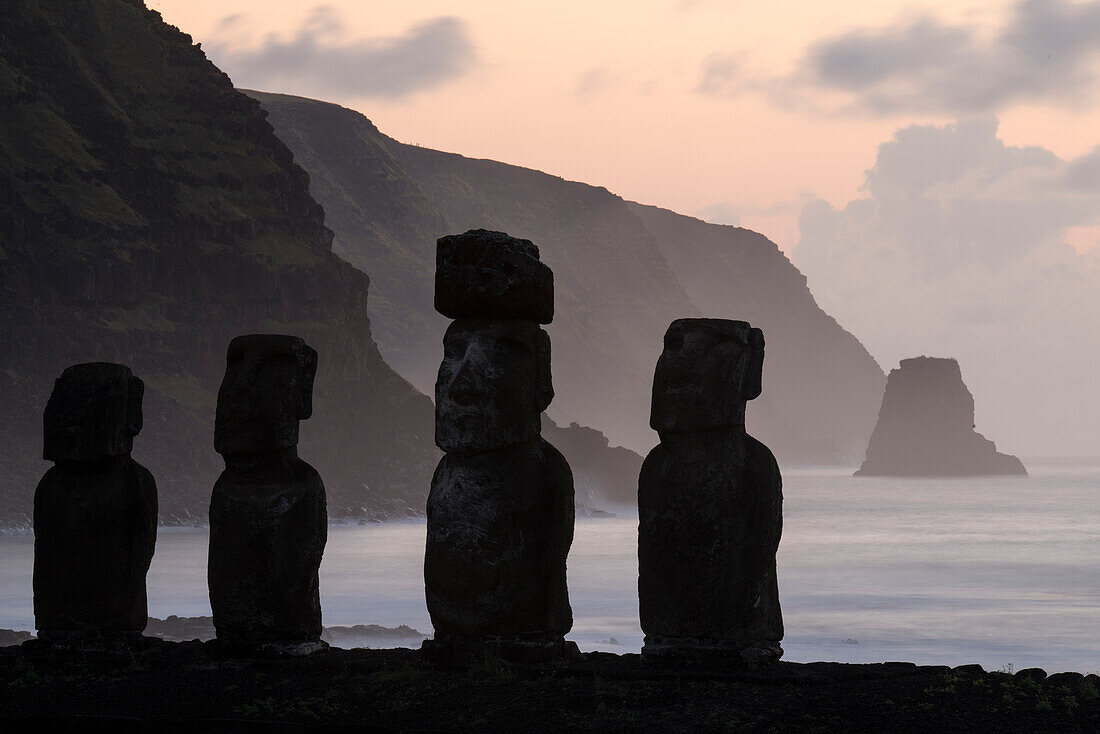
{"x":710,"y":504}
{"x":268,"y":517}
{"x":500,"y":511}
{"x":95,"y":510}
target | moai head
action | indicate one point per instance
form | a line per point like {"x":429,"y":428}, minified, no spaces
{"x":267,"y":389}
{"x":494,"y":382}
{"x":93,"y":413}
{"x":495,"y":377}
{"x":708,"y":369}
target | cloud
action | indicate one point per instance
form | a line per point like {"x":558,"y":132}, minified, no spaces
{"x":720,"y":213}
{"x":1045,"y":52}
{"x":317,"y":60}
{"x":594,"y":82}
{"x":722,"y":75}
{"x":959,"y":248}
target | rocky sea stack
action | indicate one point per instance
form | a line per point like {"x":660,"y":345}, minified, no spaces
{"x":926,"y":427}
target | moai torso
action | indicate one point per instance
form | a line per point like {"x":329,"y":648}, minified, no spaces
{"x":268,"y":519}
{"x":500,"y":511}
{"x":709,"y":502}
{"x":500,"y":525}
{"x":95,"y":511}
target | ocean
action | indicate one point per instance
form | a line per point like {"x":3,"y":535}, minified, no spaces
{"x":999,"y":571}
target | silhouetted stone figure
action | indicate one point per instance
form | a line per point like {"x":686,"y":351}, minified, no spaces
{"x":268,"y":519}
{"x":95,"y":510}
{"x":500,"y":511}
{"x":710,"y":504}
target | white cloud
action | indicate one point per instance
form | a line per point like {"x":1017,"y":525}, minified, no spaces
{"x":959,"y":249}
{"x":1046,"y":52}
{"x":317,"y":60}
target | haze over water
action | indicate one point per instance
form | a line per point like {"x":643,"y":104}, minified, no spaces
{"x":990,"y":570}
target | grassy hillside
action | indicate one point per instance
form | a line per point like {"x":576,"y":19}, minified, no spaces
{"x":149,"y":214}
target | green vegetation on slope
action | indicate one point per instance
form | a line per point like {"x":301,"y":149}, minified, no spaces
{"x":149,"y":215}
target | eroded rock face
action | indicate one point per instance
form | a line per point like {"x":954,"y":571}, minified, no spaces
{"x":268,"y":518}
{"x":95,"y":511}
{"x":709,"y":504}
{"x":926,"y":426}
{"x":500,"y":511}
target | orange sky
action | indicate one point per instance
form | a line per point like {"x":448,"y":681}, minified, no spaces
{"x":759,"y":113}
{"x":642,"y":130}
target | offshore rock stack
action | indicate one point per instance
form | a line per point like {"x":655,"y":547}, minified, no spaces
{"x":500,"y":511}
{"x":710,"y":504}
{"x":95,"y":511}
{"x":268,"y":520}
{"x":926,"y":426}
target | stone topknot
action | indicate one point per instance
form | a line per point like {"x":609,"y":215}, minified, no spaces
{"x":485,"y":274}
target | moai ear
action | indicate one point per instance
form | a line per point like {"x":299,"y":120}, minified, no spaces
{"x":135,"y":392}
{"x":307,"y":361}
{"x":754,"y":365}
{"x":542,"y":357}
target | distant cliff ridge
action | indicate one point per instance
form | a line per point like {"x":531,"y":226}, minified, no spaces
{"x":926,"y":426}
{"x":148,"y":214}
{"x":622,"y":273}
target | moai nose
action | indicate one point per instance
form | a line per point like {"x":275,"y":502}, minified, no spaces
{"x":466,"y":385}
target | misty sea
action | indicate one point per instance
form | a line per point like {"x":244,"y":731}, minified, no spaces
{"x":1000,"y":571}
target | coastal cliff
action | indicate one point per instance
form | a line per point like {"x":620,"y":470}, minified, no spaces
{"x":149,"y":216}
{"x":926,"y":426}
{"x":622,"y":273}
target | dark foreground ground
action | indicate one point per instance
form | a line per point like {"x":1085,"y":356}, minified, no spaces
{"x":182,"y":687}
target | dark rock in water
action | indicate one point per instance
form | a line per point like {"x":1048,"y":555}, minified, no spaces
{"x":370,"y":635}
{"x":95,"y":511}
{"x":710,"y":504}
{"x":268,"y":519}
{"x":602,"y":474}
{"x":13,"y":637}
{"x":926,"y":426}
{"x":483,"y":274}
{"x":500,"y":510}
{"x":183,"y":629}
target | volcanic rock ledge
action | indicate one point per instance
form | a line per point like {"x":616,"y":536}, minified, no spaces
{"x":926,"y":427}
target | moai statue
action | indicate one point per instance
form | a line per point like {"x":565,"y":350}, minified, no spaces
{"x":95,"y":510}
{"x":500,"y":511}
{"x":268,"y":517}
{"x":710,"y":504}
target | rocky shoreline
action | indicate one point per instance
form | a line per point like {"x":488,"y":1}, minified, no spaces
{"x":187,"y":629}
{"x":187,"y":687}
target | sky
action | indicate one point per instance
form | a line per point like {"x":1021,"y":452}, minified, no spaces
{"x":933,"y":167}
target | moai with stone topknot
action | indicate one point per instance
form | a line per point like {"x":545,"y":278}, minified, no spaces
{"x":710,"y":504}
{"x":500,"y":511}
{"x":268,"y":517}
{"x":95,"y":510}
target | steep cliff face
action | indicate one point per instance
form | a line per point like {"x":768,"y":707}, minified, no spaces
{"x":926,"y":426}
{"x":822,"y":388}
{"x":622,"y":273}
{"x":149,"y":215}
